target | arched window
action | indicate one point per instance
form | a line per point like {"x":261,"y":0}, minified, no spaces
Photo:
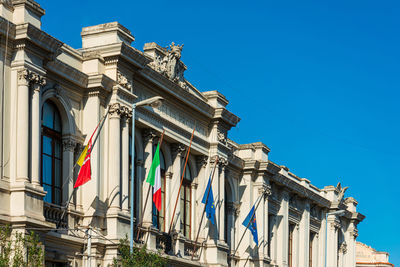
{"x":51,"y":153}
{"x":186,"y":195}
{"x":158,"y":217}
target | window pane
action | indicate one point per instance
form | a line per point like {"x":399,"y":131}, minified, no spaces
{"x":47,"y":197}
{"x":187,"y":207}
{"x":57,"y":120}
{"x":57,"y":196}
{"x":162,"y":161}
{"x":154,"y":216}
{"x":57,"y":148}
{"x":48,"y":115}
{"x":57,"y":172}
{"x":46,"y":169}
{"x":47,"y":145}
{"x":188,"y":175}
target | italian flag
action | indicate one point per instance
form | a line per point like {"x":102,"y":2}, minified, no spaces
{"x":154,"y":178}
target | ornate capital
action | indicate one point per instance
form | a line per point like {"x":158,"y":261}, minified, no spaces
{"x":201,"y":161}
{"x":126,"y":112}
{"x":27,"y":77}
{"x":178,"y":150}
{"x":168,"y":175}
{"x":222,"y":163}
{"x":115,"y":110}
{"x":68,"y":145}
{"x":343,"y":247}
{"x":149,"y":135}
{"x":233,"y":208}
{"x":221,"y":136}
{"x":265,"y":190}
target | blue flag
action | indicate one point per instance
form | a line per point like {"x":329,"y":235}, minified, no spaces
{"x":251,"y":222}
{"x":210,"y":207}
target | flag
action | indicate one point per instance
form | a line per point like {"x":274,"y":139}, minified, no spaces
{"x":85,"y":173}
{"x":251,"y":223}
{"x":208,"y":199}
{"x":154,"y":178}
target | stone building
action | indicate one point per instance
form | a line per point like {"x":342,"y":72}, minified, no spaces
{"x":52,"y":98}
{"x":366,"y":256}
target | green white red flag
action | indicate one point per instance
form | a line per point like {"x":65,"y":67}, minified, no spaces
{"x":154,"y":178}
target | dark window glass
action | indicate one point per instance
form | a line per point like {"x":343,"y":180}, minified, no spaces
{"x":51,"y":154}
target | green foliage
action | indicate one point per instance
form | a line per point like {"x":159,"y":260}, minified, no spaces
{"x":139,"y":256}
{"x":19,"y":250}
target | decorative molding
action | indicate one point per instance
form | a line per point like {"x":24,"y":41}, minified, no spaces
{"x":115,"y":110}
{"x":177,"y":149}
{"x":124,"y":81}
{"x":69,"y":145}
{"x":149,"y":135}
{"x":221,"y":136}
{"x":201,"y":161}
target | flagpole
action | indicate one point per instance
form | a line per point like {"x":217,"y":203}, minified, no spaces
{"x":183,"y":174}
{"x":148,"y":193}
{"x":248,"y":224}
{"x":94,"y":142}
{"x":205,"y":206}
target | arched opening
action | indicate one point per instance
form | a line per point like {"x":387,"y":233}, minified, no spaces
{"x":51,"y":153}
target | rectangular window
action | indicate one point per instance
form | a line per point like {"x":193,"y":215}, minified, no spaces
{"x":270,"y":227}
{"x":310,"y":251}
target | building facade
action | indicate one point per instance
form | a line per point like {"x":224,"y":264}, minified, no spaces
{"x":367,"y":256}
{"x":54,"y":96}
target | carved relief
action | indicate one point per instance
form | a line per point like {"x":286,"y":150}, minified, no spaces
{"x":170,"y":65}
{"x":126,"y":112}
{"x":115,"y":109}
{"x":124,"y":81}
{"x":343,"y":247}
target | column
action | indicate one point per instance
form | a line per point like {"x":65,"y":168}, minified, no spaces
{"x":259,"y":190}
{"x":178,"y":153}
{"x":114,"y":175}
{"x":202,"y":179}
{"x":126,"y":117}
{"x":221,"y":205}
{"x":38,"y":82}
{"x":283,"y":229}
{"x":67,"y":172}
{"x":149,"y":137}
{"x":304,"y":235}
{"x":24,"y":77}
{"x":333,"y":225}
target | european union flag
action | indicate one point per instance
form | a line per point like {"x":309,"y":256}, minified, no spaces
{"x":210,"y":207}
{"x":250,"y":222}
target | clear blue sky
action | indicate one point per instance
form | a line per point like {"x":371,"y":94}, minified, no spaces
{"x":317,"y":81}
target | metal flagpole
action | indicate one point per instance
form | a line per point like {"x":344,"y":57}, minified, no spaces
{"x":91,"y":148}
{"x":248,"y":224}
{"x":183,"y":173}
{"x":148,"y":193}
{"x":205,"y":206}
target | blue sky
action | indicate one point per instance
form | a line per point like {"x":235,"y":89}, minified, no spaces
{"x":316,"y":81}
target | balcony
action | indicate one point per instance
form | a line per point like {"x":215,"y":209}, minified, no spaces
{"x":53,"y":213}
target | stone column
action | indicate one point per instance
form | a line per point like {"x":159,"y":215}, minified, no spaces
{"x":67,"y":172}
{"x":37,"y":83}
{"x":24,"y":78}
{"x":149,"y":137}
{"x":304,"y":235}
{"x":333,"y":225}
{"x":221,"y":199}
{"x":233,"y":213}
{"x":283,"y":230}
{"x":202,"y":178}
{"x":126,"y":117}
{"x":114,"y":175}
{"x":351,"y":234}
{"x":178,"y":153}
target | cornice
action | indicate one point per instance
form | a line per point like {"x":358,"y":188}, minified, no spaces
{"x":49,"y":45}
{"x":176,"y":91}
{"x":69,"y":73}
{"x":228,"y":117}
{"x":300,"y":190}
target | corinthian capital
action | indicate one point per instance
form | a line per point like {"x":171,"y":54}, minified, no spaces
{"x":115,"y":110}
{"x":27,"y":77}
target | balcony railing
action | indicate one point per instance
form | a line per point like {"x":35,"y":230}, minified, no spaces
{"x":190,"y":247}
{"x":53,"y":213}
